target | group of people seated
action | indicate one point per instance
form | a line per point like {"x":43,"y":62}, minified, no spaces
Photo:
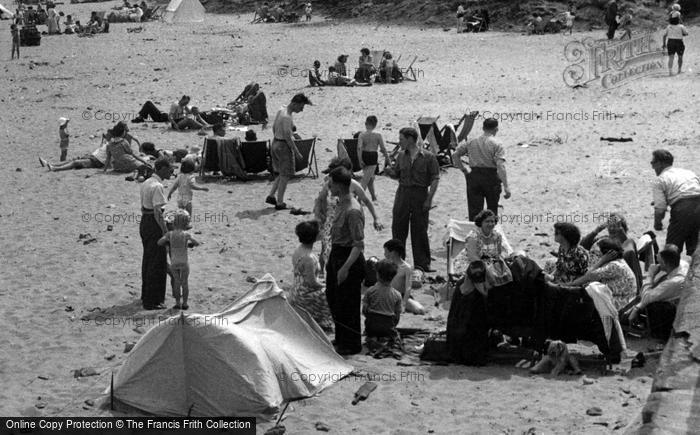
{"x":116,"y":153}
{"x":366,"y":73}
{"x":478,"y":21}
{"x":278,"y":13}
{"x":128,"y":12}
{"x":612,"y":260}
{"x":539,"y":26}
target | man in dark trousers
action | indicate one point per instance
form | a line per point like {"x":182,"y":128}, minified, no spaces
{"x":611,"y":18}
{"x":418,"y":173}
{"x":678,"y":189}
{"x":152,"y":227}
{"x":487,"y":167}
{"x":346,"y":265}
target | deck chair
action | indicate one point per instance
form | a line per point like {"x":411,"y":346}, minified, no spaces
{"x":377,"y":56}
{"x":348,"y":148}
{"x":410,"y":73}
{"x":210,"y":159}
{"x":430,"y":132}
{"x":307,"y":148}
{"x":256,"y":156}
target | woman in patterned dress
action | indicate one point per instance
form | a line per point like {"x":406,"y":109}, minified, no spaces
{"x":572,"y":258}
{"x":120,"y":156}
{"x":612,"y":270}
{"x":308,"y":292}
{"x":489,"y":246}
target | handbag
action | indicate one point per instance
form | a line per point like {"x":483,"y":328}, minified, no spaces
{"x":498,"y":273}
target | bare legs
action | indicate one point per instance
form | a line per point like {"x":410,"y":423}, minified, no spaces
{"x":368,"y":180}
{"x":180,"y":275}
{"x":279,"y":186}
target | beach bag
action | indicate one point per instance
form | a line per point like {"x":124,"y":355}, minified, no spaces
{"x":498,"y":273}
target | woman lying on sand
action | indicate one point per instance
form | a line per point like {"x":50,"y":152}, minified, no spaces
{"x":95,"y":160}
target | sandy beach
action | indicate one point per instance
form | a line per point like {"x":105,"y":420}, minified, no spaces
{"x":61,"y":262}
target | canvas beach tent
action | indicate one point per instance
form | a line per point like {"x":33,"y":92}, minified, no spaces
{"x":5,"y":13}
{"x":248,"y":360}
{"x":184,"y":11}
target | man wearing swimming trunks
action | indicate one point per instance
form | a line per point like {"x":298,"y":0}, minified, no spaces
{"x":283,"y":150}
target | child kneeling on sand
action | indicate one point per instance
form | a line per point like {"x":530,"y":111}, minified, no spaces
{"x":178,"y":239}
{"x":382,"y":304}
{"x":395,"y":253}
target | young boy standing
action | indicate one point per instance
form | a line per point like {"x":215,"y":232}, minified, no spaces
{"x":395,"y":253}
{"x":15,"y":40}
{"x":368,"y":145}
{"x":673,"y":40}
{"x":63,"y":135}
{"x":382,"y":304}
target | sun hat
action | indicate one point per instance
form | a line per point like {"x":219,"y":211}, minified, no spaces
{"x":62,"y":121}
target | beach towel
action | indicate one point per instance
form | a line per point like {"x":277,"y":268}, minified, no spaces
{"x":602,"y":299}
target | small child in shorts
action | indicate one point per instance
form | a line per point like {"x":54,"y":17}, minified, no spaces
{"x":382,"y":304}
{"x":64,"y":136}
{"x":185,"y":184}
{"x":178,"y":240}
{"x":307,"y":11}
{"x":368,"y":145}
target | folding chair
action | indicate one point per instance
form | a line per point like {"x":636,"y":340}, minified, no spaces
{"x":455,"y":242}
{"x":429,"y":132}
{"x":307,"y":148}
{"x":156,"y":13}
{"x":377,"y":56}
{"x":410,"y":71}
{"x":348,"y":148}
{"x":256,"y":156}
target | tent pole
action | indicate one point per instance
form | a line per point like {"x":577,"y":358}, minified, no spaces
{"x":282,"y":414}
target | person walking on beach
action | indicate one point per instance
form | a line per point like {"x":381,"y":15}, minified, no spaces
{"x":283,"y":150}
{"x":152,"y":227}
{"x":346,"y":265}
{"x":486,"y":170}
{"x":369,"y":144}
{"x":673,"y":40}
{"x":418,"y":173}
{"x":679,"y":189}
{"x":14,"y":31}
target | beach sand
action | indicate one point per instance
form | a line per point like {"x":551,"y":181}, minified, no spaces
{"x":51,"y":278}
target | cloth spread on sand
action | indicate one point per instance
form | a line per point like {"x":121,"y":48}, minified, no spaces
{"x":603,"y":301}
{"x":230,"y":158}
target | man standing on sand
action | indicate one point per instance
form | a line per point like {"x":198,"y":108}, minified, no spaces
{"x":611,"y":19}
{"x":283,"y":150}
{"x":152,"y":227}
{"x":418,"y":173}
{"x":679,"y":189}
{"x":487,"y":167}
{"x":346,"y":264}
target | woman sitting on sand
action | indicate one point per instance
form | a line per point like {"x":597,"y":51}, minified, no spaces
{"x":572,"y":258}
{"x":120,"y":156}
{"x":616,"y":225}
{"x":611,"y":270}
{"x":366,"y":69}
{"x":490,"y":246}
{"x":308,"y":292}
{"x":340,"y":65}
{"x":324,"y":207}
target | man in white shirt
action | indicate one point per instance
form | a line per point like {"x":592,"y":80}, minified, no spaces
{"x":661,"y":290}
{"x":154,"y":266}
{"x":678,"y":189}
{"x":487,"y":167}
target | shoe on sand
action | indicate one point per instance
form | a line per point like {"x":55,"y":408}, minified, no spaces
{"x":281,"y":206}
{"x":271,"y":200}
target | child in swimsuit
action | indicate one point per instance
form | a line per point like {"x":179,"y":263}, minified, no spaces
{"x":368,"y":144}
